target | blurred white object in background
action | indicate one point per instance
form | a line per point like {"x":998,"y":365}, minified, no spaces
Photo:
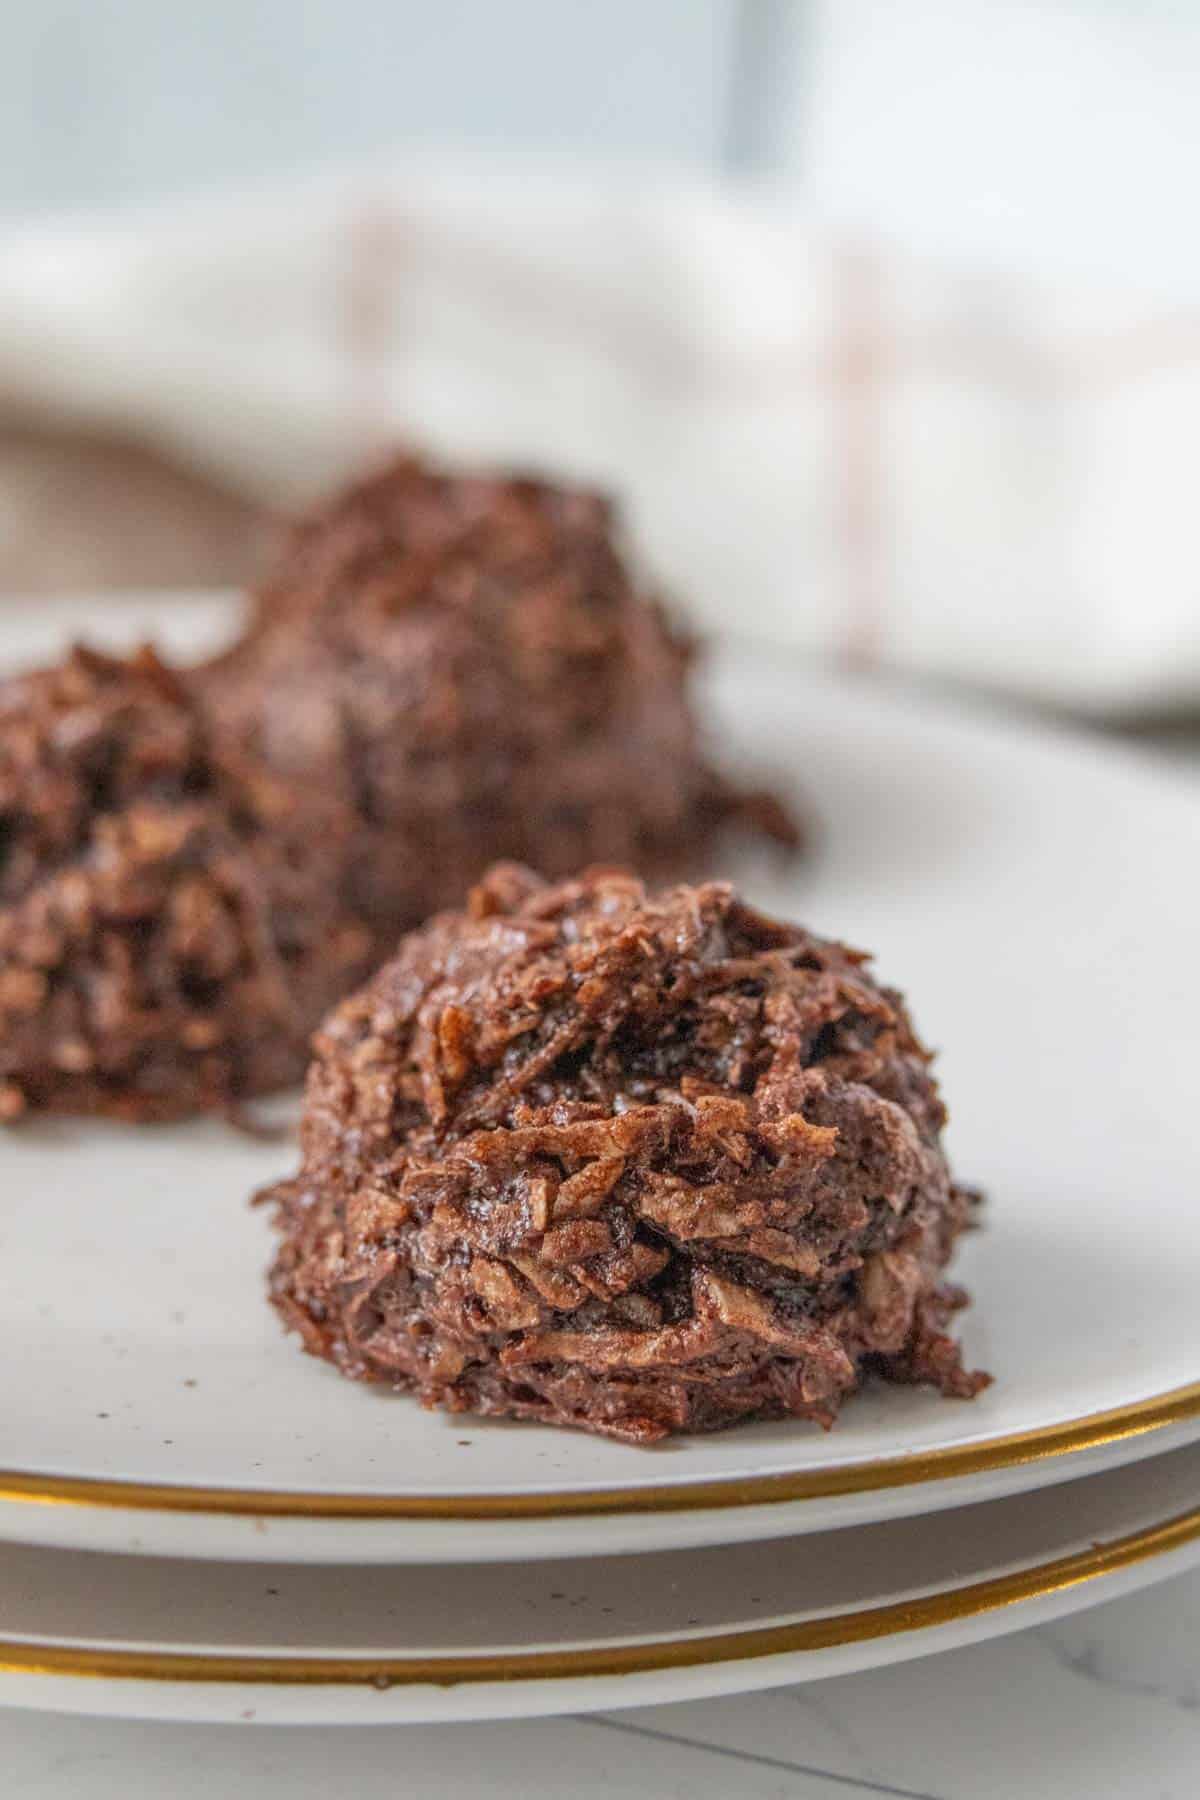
{"x":841,"y":448}
{"x":1059,"y":137}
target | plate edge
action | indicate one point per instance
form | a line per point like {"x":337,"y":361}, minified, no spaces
{"x":1012,"y":1450}
{"x":832,"y":1631}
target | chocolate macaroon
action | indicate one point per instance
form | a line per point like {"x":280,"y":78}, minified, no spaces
{"x":640,"y":1164}
{"x":170,"y":927}
{"x":196,"y":864}
{"x":466,"y":664}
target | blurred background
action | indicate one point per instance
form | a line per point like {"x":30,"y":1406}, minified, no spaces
{"x":881,"y":316}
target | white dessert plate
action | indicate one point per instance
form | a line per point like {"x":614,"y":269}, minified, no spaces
{"x":351,"y":1645}
{"x":1033,"y":892}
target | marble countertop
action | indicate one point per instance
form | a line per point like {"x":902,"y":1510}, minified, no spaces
{"x":1106,"y":1703}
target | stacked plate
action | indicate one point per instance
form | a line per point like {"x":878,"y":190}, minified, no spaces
{"x":199,"y":1522}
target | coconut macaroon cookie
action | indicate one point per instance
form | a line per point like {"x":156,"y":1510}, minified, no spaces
{"x":196,"y":864}
{"x":466,"y":662}
{"x":640,"y":1164}
{"x":170,"y":921}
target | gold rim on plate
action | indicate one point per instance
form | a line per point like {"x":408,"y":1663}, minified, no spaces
{"x":834,"y":1630}
{"x":1006,"y":1452}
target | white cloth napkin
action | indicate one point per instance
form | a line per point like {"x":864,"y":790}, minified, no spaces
{"x":823,"y":444}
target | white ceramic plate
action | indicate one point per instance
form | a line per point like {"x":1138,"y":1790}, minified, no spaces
{"x":1034,"y":893}
{"x":308,"y":1644}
